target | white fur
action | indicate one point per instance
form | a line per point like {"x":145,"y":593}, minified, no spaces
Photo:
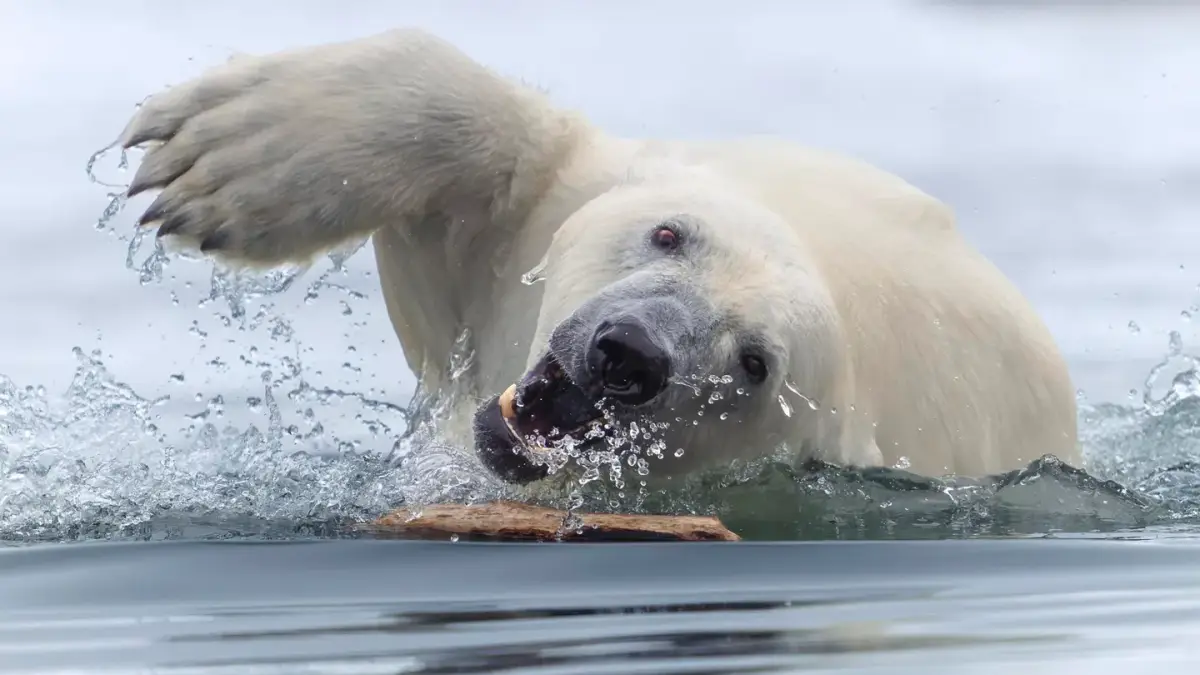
{"x":915,"y":346}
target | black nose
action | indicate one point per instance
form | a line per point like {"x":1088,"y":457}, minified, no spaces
{"x":627,"y":364}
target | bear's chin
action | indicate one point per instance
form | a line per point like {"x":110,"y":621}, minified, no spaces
{"x":499,"y":448}
{"x":553,"y":406}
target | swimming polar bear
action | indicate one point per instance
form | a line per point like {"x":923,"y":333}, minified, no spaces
{"x":700,"y":301}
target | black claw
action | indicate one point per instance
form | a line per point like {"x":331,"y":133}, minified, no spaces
{"x":136,"y":139}
{"x":139,"y":186}
{"x":145,"y":135}
{"x":214,"y":241}
{"x":156,"y":211}
{"x":171,"y":225}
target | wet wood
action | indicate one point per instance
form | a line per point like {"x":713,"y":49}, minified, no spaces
{"x":513,"y":521}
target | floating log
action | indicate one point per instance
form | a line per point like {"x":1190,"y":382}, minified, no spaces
{"x":514,"y":521}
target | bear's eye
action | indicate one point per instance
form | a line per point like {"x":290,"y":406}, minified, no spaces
{"x":755,"y":367}
{"x":664,"y":237}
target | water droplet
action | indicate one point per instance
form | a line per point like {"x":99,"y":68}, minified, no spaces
{"x":1175,"y":343}
{"x":1134,"y":328}
{"x":812,"y":403}
{"x":724,"y":416}
{"x":679,"y":452}
{"x":785,"y":406}
{"x":453,"y":537}
{"x":1185,"y":315}
{"x":462,"y":355}
{"x":533,"y":276}
{"x":903,"y":463}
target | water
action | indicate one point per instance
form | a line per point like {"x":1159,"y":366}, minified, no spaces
{"x":185,"y":452}
{"x":406,"y":607}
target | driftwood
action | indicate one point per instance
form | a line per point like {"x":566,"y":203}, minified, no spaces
{"x":513,"y":521}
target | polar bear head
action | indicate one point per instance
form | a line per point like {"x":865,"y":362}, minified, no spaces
{"x":675,"y":314}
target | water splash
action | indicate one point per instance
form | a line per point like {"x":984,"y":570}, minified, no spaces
{"x":98,"y":462}
{"x":301,"y":453}
{"x":812,"y":403}
{"x":785,"y":406}
{"x":1184,"y":385}
{"x":122,"y":165}
{"x":535,"y":275}
{"x":462,"y":355}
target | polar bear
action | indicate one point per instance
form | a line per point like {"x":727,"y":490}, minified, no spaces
{"x":699,"y":302}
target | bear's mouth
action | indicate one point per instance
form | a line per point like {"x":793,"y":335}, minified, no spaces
{"x":516,"y":429}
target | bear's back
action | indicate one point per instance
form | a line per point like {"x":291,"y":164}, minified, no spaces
{"x":836,"y":189}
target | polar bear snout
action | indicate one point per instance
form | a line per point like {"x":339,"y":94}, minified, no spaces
{"x":607,"y":364}
{"x":626,"y":364}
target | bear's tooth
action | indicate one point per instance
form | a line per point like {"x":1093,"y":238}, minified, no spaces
{"x":506,"y":402}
